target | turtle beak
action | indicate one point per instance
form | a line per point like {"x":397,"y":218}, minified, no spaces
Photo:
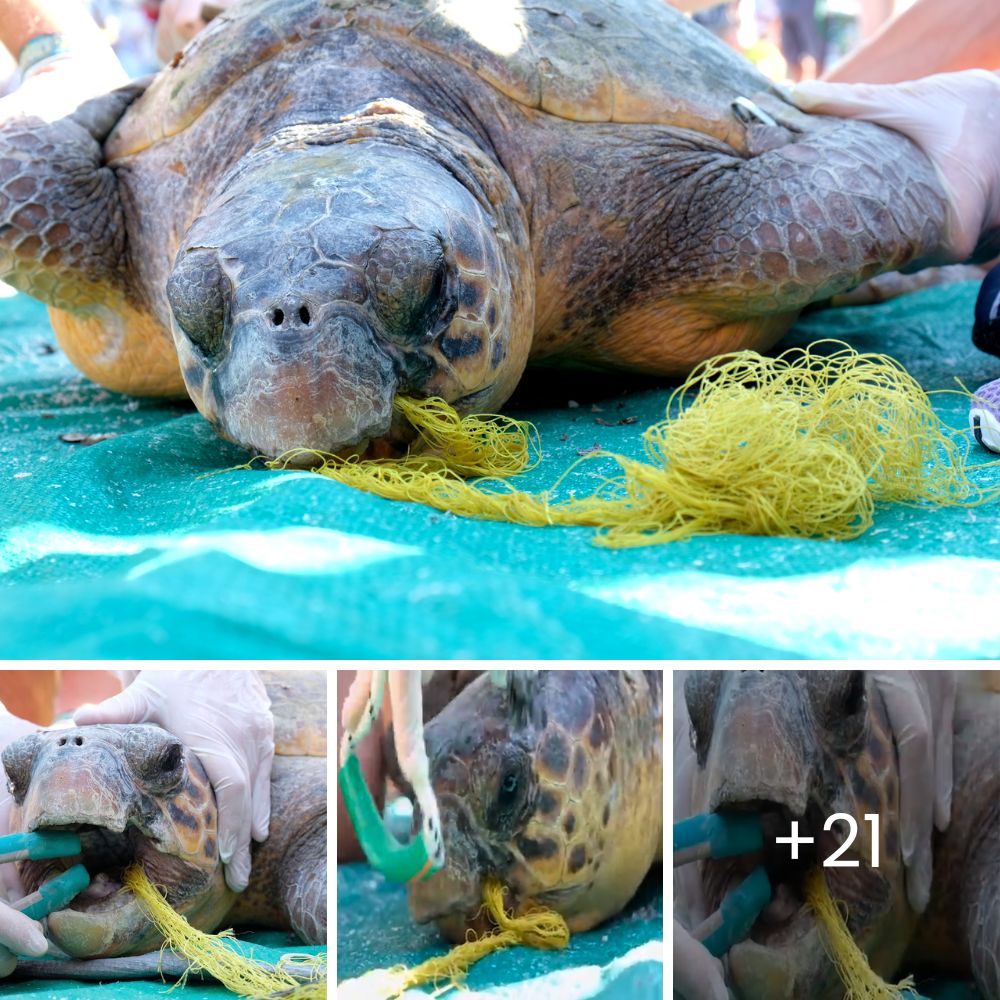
{"x":456,"y":890}
{"x":328,"y":390}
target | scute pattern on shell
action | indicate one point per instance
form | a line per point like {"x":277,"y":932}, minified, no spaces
{"x":598,"y":818}
{"x":580,"y":60}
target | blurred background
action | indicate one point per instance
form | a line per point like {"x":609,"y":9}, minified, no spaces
{"x":791,"y":40}
{"x":786,"y":39}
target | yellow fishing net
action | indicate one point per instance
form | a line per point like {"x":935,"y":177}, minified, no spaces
{"x":803,"y":445}
{"x":538,"y":928}
{"x":860,"y":982}
{"x":208,"y":952}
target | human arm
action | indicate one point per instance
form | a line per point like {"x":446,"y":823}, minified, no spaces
{"x":931,"y":36}
{"x":54,"y":85}
{"x":693,"y":6}
{"x":223,"y":716}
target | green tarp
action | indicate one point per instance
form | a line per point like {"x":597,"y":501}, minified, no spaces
{"x":119,"y":549}
{"x":266,"y":947}
{"x":620,"y":960}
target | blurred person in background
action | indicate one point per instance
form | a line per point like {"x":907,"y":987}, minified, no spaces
{"x":802,"y":42}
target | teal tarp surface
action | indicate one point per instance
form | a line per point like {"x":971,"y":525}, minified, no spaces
{"x":118,"y":549}
{"x":266,"y":946}
{"x":620,"y":960}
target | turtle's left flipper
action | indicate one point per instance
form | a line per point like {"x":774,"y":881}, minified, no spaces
{"x":64,"y":240}
{"x":62,"y":233}
{"x":981,"y":910}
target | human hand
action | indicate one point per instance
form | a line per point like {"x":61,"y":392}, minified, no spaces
{"x":954,"y":118}
{"x":19,"y":935}
{"x":698,"y":974}
{"x":57,"y":88}
{"x":921,"y":709}
{"x":224,"y":717}
{"x":179,"y":21}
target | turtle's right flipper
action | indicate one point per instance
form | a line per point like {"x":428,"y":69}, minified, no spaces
{"x":981,"y":907}
{"x":62,"y":231}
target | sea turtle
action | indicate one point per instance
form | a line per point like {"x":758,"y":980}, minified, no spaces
{"x":136,"y":793}
{"x":563,"y":803}
{"x":321,"y":204}
{"x":804,"y":745}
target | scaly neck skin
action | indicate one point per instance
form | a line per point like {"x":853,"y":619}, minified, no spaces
{"x":961,"y":865}
{"x":298,"y":813}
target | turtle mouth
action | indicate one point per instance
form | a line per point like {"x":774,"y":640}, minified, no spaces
{"x":107,"y":854}
{"x":787,"y":917}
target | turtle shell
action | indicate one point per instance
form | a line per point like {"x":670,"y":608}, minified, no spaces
{"x":636,"y":61}
{"x":298,"y":704}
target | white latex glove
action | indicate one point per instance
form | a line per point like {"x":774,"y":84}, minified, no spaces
{"x":58,"y":88}
{"x":360,"y":710}
{"x":19,"y":935}
{"x":224,"y":716}
{"x":954,"y":118}
{"x":178,"y":22}
{"x":697,"y":974}
{"x":921,"y":708}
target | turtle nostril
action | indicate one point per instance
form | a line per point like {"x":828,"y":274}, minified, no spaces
{"x":277,"y":317}
{"x":304,"y":315}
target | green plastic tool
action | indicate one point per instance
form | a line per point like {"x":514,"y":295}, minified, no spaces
{"x":40,"y":845}
{"x":398,"y":862}
{"x":54,"y":894}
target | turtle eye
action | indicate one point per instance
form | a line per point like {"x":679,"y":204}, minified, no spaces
{"x":198,"y":294}
{"x":510,"y":799}
{"x":159,"y":767}
{"x":408,"y":276}
{"x":18,"y":763}
{"x":508,"y":787}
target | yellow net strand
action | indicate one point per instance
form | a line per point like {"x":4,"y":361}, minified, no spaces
{"x":801,"y":445}
{"x":538,"y":928}
{"x":239,"y":974}
{"x":860,"y":981}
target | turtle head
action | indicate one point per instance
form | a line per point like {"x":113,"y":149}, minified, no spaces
{"x":338,"y":266}
{"x":801,"y":746}
{"x":135,"y":795}
{"x":481,"y":770}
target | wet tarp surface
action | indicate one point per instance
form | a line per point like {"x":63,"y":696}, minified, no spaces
{"x":265,"y":946}
{"x":119,"y":549}
{"x":620,"y":960}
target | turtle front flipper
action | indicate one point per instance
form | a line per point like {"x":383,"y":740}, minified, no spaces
{"x":63,"y":240}
{"x":982,"y":908}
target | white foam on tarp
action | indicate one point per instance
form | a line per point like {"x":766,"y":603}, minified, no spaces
{"x":938,"y":606}
{"x":293,"y":550}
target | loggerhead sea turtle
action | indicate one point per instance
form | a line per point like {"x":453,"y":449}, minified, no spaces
{"x":136,"y":794}
{"x":807,"y":744}
{"x":563,"y":802}
{"x":322,"y":204}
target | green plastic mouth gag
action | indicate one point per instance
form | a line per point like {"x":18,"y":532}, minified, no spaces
{"x":397,"y":862}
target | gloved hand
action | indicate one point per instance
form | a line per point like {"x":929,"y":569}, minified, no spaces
{"x":19,"y":935}
{"x":178,"y":22}
{"x":224,"y":717}
{"x":954,"y":118}
{"x":697,"y":974}
{"x":921,"y":708}
{"x":57,"y":88}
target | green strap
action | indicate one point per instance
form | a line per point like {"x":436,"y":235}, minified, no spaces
{"x":398,"y":862}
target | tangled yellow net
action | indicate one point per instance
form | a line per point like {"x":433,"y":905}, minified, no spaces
{"x":208,"y":952}
{"x":538,"y":928}
{"x":802,"y":445}
{"x":860,"y":981}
